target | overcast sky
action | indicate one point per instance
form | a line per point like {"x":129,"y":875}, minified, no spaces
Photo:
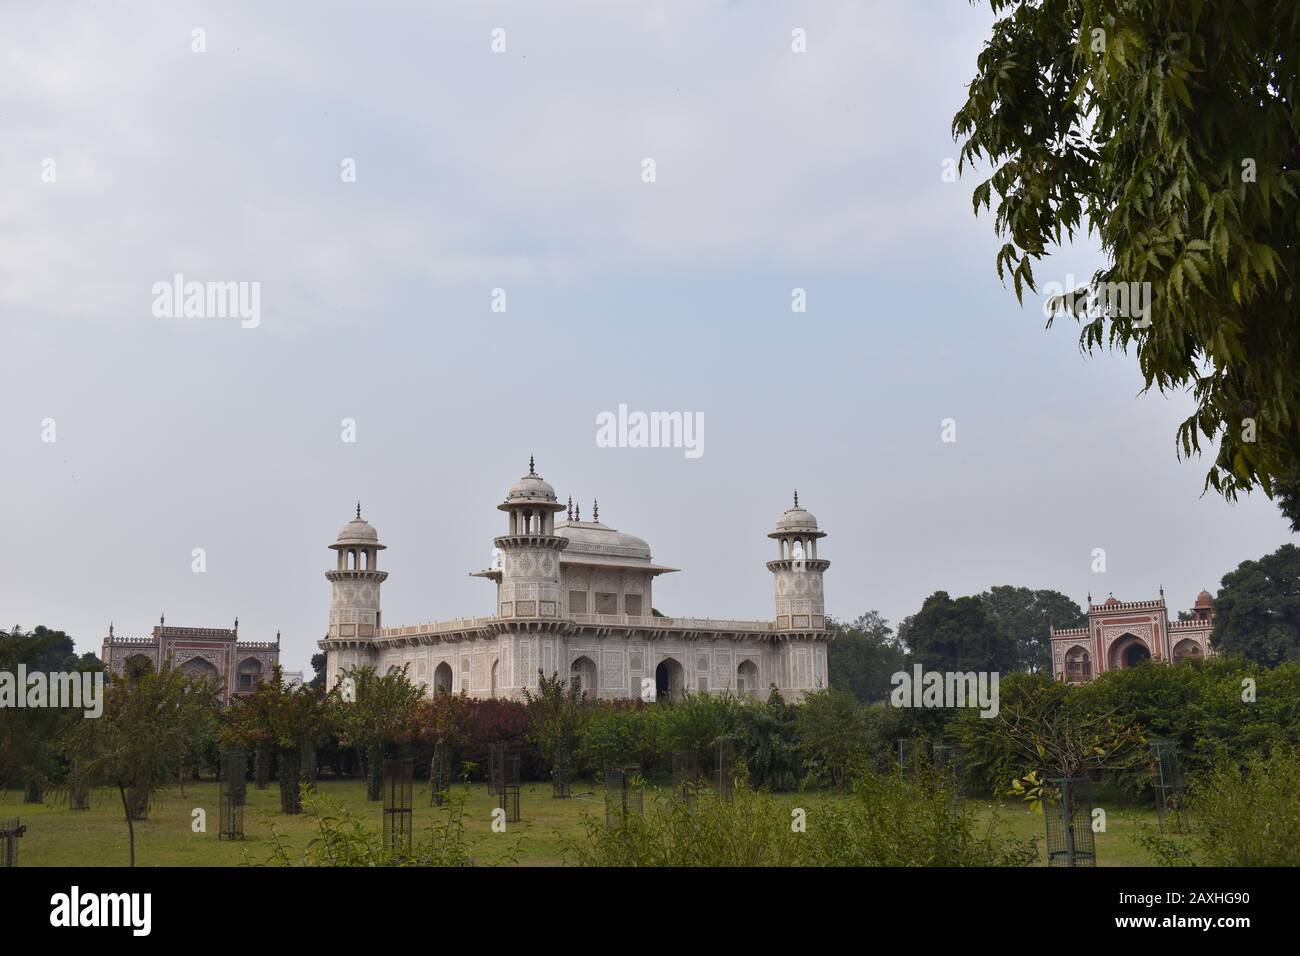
{"x":523,"y":170}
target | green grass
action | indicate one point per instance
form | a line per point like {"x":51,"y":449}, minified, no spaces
{"x":58,"y":836}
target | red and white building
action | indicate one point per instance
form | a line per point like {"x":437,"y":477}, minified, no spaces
{"x":216,"y":652}
{"x":1120,"y":634}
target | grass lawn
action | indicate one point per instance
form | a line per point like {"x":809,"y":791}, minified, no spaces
{"x":57,"y":836}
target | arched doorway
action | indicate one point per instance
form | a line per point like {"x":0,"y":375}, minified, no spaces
{"x":250,"y":675}
{"x":496,"y":671}
{"x":747,"y":678}
{"x":1128,"y":651}
{"x":583,"y":673}
{"x":1187,"y":650}
{"x":196,"y":668}
{"x":442,"y":679}
{"x":1078,"y":665}
{"x":670,"y":680}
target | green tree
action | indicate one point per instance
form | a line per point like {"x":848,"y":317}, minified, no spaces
{"x":957,"y":635}
{"x":287,"y":721}
{"x":1170,"y":130}
{"x":769,"y":737}
{"x":554,"y":715}
{"x":381,"y":713}
{"x":1257,"y":612}
{"x":318,"y":666}
{"x":29,"y":736}
{"x":863,"y":656}
{"x":1287,"y":491}
{"x":1027,"y":617}
{"x":135,"y":746}
{"x":831,"y":728}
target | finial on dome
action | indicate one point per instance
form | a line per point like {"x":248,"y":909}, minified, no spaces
{"x":236,"y":625}
{"x":570,"y":511}
{"x":162,"y":619}
{"x":277,"y":637}
{"x":577,"y":513}
{"x":110,"y":628}
{"x":358,"y":509}
{"x":595,"y":510}
{"x":796,"y":497}
{"x":531,"y":467}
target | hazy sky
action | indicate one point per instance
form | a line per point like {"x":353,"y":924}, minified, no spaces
{"x":522,"y":171}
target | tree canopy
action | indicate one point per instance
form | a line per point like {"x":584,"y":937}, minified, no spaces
{"x":957,"y":635}
{"x":863,"y":656}
{"x":1027,"y":617}
{"x":1257,"y":612}
{"x":1172,"y":132}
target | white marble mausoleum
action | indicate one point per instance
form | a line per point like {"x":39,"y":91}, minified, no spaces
{"x":575,"y":598}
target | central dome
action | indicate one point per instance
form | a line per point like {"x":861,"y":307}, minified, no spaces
{"x":594,"y":538}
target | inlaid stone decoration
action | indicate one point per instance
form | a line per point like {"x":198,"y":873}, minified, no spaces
{"x":1122,"y":634}
{"x":237,"y":666}
{"x":576,"y":597}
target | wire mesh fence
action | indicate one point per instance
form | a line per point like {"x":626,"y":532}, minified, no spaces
{"x":950,"y":765}
{"x":1067,"y":807}
{"x":1171,"y":792}
{"x":624,"y":796}
{"x":560,"y":785}
{"x":725,"y":768}
{"x":232,"y":795}
{"x":397,"y":804}
{"x":686,"y":776}
{"x":11,"y":831}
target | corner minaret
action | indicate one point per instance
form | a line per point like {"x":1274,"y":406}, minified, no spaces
{"x":800,"y":632}
{"x":800,"y":604}
{"x":354,"y":600}
{"x":529,"y":589}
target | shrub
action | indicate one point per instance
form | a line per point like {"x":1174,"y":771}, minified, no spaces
{"x":752,"y":830}
{"x":886,"y":821}
{"x":831,"y":728}
{"x":343,"y":840}
{"x":623,"y":733}
{"x":1250,"y":816}
{"x":891,"y":820}
{"x":769,"y":736}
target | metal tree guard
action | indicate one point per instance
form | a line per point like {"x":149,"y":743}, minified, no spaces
{"x":950,"y":762}
{"x":439,"y":775}
{"x":622,"y":797}
{"x":233,"y":795}
{"x":1067,"y":807}
{"x":1171,"y":795}
{"x":726,"y":768}
{"x":906,"y":751}
{"x":560,"y":789}
{"x":686,"y":776}
{"x":78,"y":794}
{"x":11,"y":831}
{"x":507,"y":788}
{"x":397,"y":804}
{"x":496,"y":764}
